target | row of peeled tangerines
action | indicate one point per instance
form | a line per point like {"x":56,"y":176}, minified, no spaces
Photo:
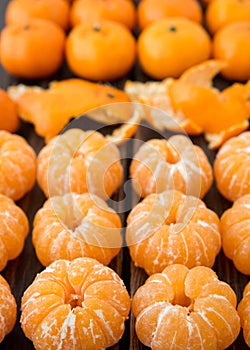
{"x":101,"y":47}
{"x":171,"y":228}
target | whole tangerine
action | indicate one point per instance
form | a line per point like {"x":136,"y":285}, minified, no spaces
{"x":19,"y":11}
{"x":169,"y":46}
{"x":85,"y":11}
{"x":153,"y":10}
{"x":232,"y":44}
{"x":9,"y":119}
{"x":102,"y":51}
{"x":34,"y":50}
{"x":220,"y":13}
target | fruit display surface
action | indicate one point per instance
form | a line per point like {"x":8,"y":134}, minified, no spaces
{"x":21,"y":272}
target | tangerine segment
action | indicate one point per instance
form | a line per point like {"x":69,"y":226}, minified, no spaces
{"x":81,"y":317}
{"x":209,"y":321}
{"x":14,"y":229}
{"x":43,"y":107}
{"x":172,"y":228}
{"x":235,"y":233}
{"x":88,"y":163}
{"x":9,"y":119}
{"x":17,"y":165}
{"x":8,"y":309}
{"x":73,"y":225}
{"x":160,"y":165}
{"x":231,"y":167}
{"x":244,"y":312}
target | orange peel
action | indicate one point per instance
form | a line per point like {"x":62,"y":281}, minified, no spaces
{"x":51,"y":109}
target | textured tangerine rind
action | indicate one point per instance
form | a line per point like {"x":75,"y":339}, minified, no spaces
{"x":235,"y":233}
{"x":81,"y":315}
{"x":88,"y":163}
{"x":244,"y":313}
{"x":76,"y":225}
{"x":160,"y":165}
{"x":210,"y":321}
{"x":171,"y":228}
{"x":8,"y":309}
{"x":231,"y":167}
{"x":14,"y":229}
{"x":17,"y":165}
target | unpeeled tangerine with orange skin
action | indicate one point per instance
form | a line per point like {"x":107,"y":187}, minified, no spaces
{"x":204,"y":318}
{"x":14,"y":229}
{"x":170,"y":228}
{"x":76,"y":225}
{"x":244,"y":312}
{"x":236,"y":234}
{"x":75,"y":305}
{"x":88,"y":163}
{"x":8,"y":309}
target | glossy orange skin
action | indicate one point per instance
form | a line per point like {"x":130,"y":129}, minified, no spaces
{"x":104,"y":51}
{"x":153,"y":10}
{"x":9,"y":119}
{"x":220,"y":13}
{"x":21,"y":48}
{"x":232,"y":44}
{"x":89,"y":11}
{"x":19,"y":11}
{"x":164,"y":47}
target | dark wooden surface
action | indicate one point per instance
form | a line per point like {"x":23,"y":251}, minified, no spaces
{"x":22,"y":270}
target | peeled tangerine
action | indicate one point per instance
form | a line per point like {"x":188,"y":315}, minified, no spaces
{"x":76,"y":225}
{"x":244,"y":312}
{"x":79,"y":161}
{"x":14,"y":229}
{"x":186,"y":309}
{"x":7,"y":309}
{"x":17,"y":165}
{"x":170,"y":228}
{"x":235,"y":230}
{"x":232,"y":167}
{"x":75,"y":305}
{"x":176,"y":163}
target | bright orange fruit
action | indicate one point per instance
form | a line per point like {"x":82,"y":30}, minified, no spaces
{"x":14,"y":229}
{"x":19,"y":11}
{"x":220,"y":13}
{"x":8,"y":309}
{"x":91,"y":11}
{"x":9,"y":119}
{"x":150,"y":11}
{"x":34,"y":50}
{"x":204,"y":318}
{"x":231,"y":167}
{"x":236,"y":234}
{"x":176,"y":163}
{"x":88,"y":163}
{"x":104,"y":50}
{"x":170,"y":228}
{"x":243,"y":310}
{"x":17,"y":166}
{"x":73,"y":226}
{"x":164,"y":47}
{"x":75,"y":304}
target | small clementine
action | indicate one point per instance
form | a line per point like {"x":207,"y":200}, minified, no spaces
{"x":220,"y":13}
{"x":169,"y":46}
{"x":90,"y":11}
{"x":9,"y":119}
{"x":232,"y":44}
{"x":105,"y":50}
{"x":34,"y":50}
{"x":153,"y":10}
{"x":19,"y":11}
